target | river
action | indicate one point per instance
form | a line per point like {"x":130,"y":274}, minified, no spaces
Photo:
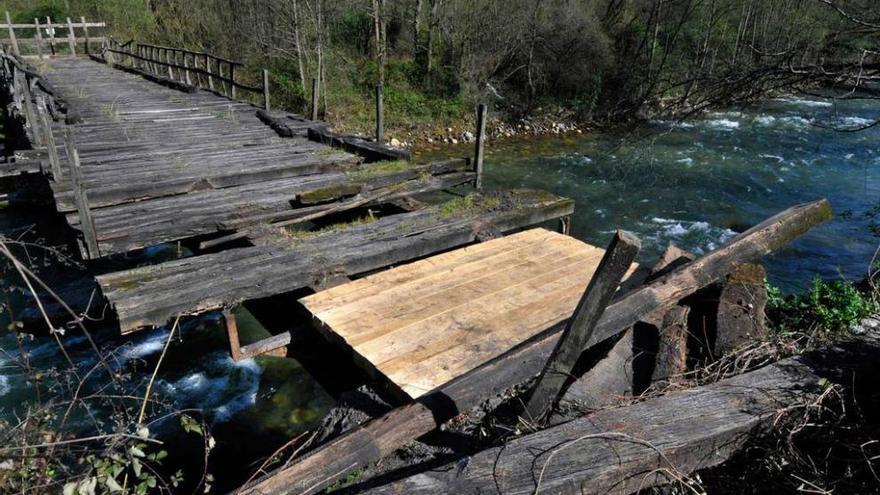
{"x":693,"y":183}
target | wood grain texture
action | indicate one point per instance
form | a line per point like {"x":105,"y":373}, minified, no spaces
{"x":423,"y":324}
{"x":151,"y":295}
{"x":377,"y":438}
{"x":626,"y":449}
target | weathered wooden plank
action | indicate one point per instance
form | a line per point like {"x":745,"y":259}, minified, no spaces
{"x":375,"y":439}
{"x":627,"y":449}
{"x":370,"y":150}
{"x":151,"y":295}
{"x":615,"y":263}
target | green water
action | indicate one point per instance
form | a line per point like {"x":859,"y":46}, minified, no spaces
{"x":697,"y":183}
{"x":694,"y":183}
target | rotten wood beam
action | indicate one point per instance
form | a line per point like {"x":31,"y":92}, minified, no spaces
{"x":631,"y":448}
{"x":615,"y":263}
{"x":377,"y":438}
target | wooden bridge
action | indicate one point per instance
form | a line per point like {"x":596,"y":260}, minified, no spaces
{"x":140,"y":145}
{"x":454,"y":301}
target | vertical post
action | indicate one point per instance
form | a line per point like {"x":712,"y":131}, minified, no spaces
{"x":615,"y":263}
{"x":266,"y":89}
{"x":71,"y":37}
{"x":232,"y":80}
{"x":186,"y":68}
{"x":232,"y":333}
{"x":481,"y":142}
{"x":54,"y":161}
{"x":208,"y":70}
{"x":82,"y":19}
{"x":169,"y":60}
{"x":80,"y":196}
{"x":380,"y":115}
{"x":314,"y":98}
{"x":51,"y":30}
{"x":12,"y":34}
{"x":39,"y":37}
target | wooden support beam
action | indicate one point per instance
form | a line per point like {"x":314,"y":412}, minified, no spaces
{"x":71,"y":37}
{"x":377,"y":438}
{"x":232,"y":333}
{"x":480,"y":145}
{"x":12,"y":38}
{"x":380,"y":115}
{"x":628,"y":449}
{"x":565,"y":225}
{"x":51,"y":149}
{"x":615,"y":263}
{"x":271,"y":346}
{"x":232,"y":80}
{"x":81,"y":197}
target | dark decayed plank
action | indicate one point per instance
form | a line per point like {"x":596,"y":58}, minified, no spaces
{"x":152,"y":295}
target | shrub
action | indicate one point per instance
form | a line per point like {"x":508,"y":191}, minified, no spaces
{"x":831,"y":307}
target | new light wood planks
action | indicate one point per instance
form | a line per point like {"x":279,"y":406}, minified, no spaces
{"x":422,"y":324}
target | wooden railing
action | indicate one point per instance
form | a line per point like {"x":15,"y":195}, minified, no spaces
{"x":48,"y":38}
{"x":194,"y":68}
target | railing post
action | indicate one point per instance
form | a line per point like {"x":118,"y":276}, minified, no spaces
{"x":168,"y":60}
{"x":51,"y":31}
{"x":186,"y":68}
{"x":39,"y":37}
{"x":12,"y":34}
{"x":380,"y":115}
{"x":85,"y":33}
{"x":208,"y":70}
{"x":232,"y":79}
{"x":71,"y":37}
{"x":266,"y":89}
{"x":80,"y":196}
{"x":314,"y":98}
{"x":480,"y":144}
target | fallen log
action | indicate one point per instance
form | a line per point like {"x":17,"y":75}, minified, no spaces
{"x":626,"y":449}
{"x":380,"y":437}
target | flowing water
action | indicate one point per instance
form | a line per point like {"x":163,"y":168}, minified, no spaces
{"x":694,"y":183}
{"x":699,"y":182}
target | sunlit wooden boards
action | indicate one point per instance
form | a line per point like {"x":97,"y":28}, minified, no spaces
{"x":152,"y":295}
{"x":425,"y":323}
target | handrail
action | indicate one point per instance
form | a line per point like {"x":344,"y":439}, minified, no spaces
{"x":39,"y":43}
{"x":194,"y":68}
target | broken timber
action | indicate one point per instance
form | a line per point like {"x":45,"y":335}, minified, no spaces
{"x":377,"y":438}
{"x":607,"y":277}
{"x":626,"y":449}
{"x":286,"y":261}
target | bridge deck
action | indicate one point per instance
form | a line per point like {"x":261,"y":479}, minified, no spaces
{"x":139,"y":141}
{"x":423,"y":324}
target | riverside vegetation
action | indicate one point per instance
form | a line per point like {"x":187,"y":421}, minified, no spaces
{"x":540,"y":65}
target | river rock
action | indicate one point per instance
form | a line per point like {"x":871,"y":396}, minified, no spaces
{"x":741,"y":307}
{"x":395,"y":143}
{"x":467,"y":136}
